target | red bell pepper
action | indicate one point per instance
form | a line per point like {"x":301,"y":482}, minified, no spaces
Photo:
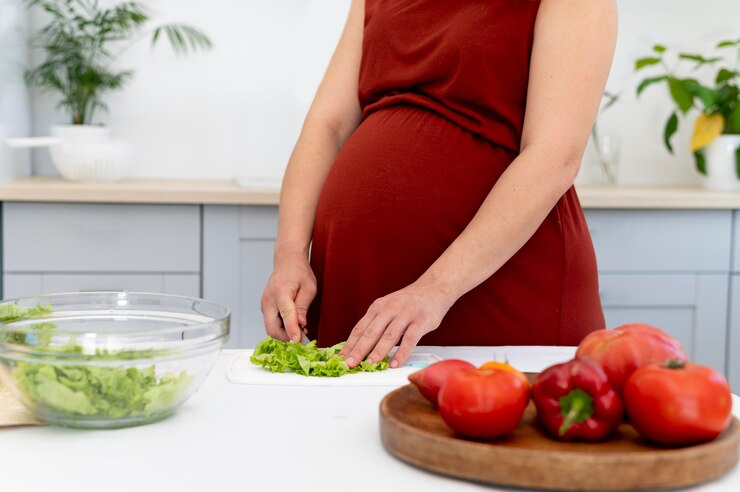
{"x":574,"y":400}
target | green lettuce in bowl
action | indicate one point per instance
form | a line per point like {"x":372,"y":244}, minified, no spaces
{"x":107,"y":360}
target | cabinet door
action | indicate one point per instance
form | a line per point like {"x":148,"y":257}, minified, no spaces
{"x":238,"y":245}
{"x":30,"y":284}
{"x":733,"y":344}
{"x":93,"y":238}
{"x":255,"y":267}
{"x":661,"y":240}
{"x":693,"y":308}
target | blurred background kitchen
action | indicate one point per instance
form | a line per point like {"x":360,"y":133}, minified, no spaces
{"x":236,"y":110}
{"x":202,"y":131}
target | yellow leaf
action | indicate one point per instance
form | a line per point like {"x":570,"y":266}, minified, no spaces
{"x":706,"y":129}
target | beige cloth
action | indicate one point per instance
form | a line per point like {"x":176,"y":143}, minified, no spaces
{"x":12,"y":411}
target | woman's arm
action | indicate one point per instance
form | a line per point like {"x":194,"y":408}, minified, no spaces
{"x":334,"y":114}
{"x":573,"y":48}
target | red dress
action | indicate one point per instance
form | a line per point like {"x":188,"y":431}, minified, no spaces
{"x":442,"y":88}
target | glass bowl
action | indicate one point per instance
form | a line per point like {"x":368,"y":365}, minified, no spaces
{"x":108,"y":359}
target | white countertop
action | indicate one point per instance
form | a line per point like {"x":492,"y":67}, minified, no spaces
{"x":244,"y":438}
{"x":46,"y":189}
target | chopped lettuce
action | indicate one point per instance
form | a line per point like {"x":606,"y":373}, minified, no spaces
{"x":110,"y":392}
{"x":69,"y":384}
{"x":307,"y":360}
{"x":11,"y":312}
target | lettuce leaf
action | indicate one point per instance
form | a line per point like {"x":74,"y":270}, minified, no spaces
{"x":110,"y":392}
{"x":307,"y":360}
{"x":11,"y":312}
{"x":78,"y":389}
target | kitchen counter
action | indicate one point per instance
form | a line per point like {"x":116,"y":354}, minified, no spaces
{"x":46,"y":189}
{"x":244,"y":437}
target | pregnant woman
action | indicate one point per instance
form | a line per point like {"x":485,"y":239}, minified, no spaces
{"x":432,"y":182}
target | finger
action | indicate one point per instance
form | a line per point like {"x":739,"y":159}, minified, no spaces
{"x":303,"y":300}
{"x":368,"y":340}
{"x":356,"y":334}
{"x":410,"y":340}
{"x":273,"y":324}
{"x":388,"y":340}
{"x":289,"y":315}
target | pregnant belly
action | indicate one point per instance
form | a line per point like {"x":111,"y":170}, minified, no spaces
{"x":409,"y":166}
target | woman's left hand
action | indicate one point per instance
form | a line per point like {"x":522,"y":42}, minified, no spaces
{"x":411,"y":313}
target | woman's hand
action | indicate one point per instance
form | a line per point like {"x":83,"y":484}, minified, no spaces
{"x":285,"y":301}
{"x":411,"y":313}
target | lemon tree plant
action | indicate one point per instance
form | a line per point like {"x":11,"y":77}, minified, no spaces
{"x":718,"y":103}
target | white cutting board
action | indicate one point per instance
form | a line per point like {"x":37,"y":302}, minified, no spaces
{"x":241,"y":371}
{"x":526,"y":359}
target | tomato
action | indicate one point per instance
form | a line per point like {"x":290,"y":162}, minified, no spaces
{"x":430,"y":379}
{"x":678,"y":403}
{"x":624,"y":349}
{"x":503,"y":366}
{"x":483,"y":403}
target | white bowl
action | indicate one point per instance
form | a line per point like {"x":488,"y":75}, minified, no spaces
{"x":100,"y":161}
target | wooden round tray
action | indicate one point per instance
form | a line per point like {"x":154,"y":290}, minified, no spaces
{"x":412,"y":430}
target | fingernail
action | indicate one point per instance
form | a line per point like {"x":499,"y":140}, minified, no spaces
{"x":394,"y":363}
{"x":350,"y":361}
{"x":294,"y":338}
{"x":369,"y":360}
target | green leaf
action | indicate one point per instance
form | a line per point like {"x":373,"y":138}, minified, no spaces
{"x":659,"y":48}
{"x":706,"y":95}
{"x":733,"y":121}
{"x":724,"y":75}
{"x":182,"y":38}
{"x":683,"y":99}
{"x":650,"y":81}
{"x":646,"y":62}
{"x":670,"y":128}
{"x":698,"y":58}
{"x":700,"y":161}
{"x":727,"y":44}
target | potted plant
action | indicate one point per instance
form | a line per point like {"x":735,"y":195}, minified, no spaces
{"x":81,"y":43}
{"x":715,"y":142}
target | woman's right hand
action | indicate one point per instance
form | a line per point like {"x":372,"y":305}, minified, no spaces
{"x":285,"y":301}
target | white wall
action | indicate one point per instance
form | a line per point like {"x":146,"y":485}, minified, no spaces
{"x":14,"y":100}
{"x":690,"y":25}
{"x":237,"y":110}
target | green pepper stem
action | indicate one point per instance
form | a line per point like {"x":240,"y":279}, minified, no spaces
{"x":674,"y":364}
{"x":575,"y":407}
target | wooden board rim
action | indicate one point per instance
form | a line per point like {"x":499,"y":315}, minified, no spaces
{"x":712,"y":459}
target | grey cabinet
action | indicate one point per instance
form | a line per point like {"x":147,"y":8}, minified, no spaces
{"x":238,"y":244}
{"x":691,"y":307}
{"x":733,"y":339}
{"x":661,"y":240}
{"x":733,"y":342}
{"x":53,"y":247}
{"x":669,"y":268}
{"x":27,"y":284}
{"x":677,"y":269}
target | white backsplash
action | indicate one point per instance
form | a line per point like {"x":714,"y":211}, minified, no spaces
{"x":14,"y":99}
{"x":237,"y":110}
